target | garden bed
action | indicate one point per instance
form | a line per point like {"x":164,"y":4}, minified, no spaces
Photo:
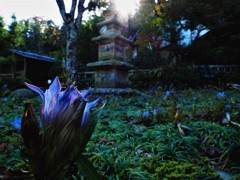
{"x":172,"y":135}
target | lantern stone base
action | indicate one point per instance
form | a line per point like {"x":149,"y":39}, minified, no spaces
{"x":110,"y":73}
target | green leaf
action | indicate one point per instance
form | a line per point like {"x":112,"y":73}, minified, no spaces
{"x":86,"y":167}
{"x":88,"y":130}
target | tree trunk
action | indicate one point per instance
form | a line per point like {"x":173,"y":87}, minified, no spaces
{"x":71,"y":50}
{"x":72,"y":26}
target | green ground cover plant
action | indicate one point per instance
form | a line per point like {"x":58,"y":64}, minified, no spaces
{"x":156,"y":135}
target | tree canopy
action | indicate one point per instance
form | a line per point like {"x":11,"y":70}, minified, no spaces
{"x":43,"y":37}
{"x":176,"y":23}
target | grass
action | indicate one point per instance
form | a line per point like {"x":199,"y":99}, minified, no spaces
{"x":137,"y":136}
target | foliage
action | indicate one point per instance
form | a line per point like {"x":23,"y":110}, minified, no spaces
{"x":122,"y":148}
{"x":3,"y":35}
{"x":176,"y":170}
{"x":181,"y":77}
{"x":15,"y":36}
{"x":171,"y":23}
{"x":148,"y":59}
{"x":145,"y":24}
{"x":146,"y":14}
{"x":13,"y":84}
{"x":43,"y":37}
{"x":215,"y":48}
{"x":86,"y":32}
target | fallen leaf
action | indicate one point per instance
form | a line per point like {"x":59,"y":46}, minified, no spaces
{"x":180,"y":129}
{"x":3,"y":147}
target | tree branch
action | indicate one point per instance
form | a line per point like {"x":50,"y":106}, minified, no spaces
{"x":62,"y":9}
{"x":81,"y":10}
{"x":73,"y":7}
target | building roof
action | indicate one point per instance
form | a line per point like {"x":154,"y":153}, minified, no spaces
{"x":33,"y":56}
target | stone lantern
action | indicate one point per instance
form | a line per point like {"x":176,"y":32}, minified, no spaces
{"x":114,"y":51}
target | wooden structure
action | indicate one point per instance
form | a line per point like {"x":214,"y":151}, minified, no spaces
{"x":30,"y":66}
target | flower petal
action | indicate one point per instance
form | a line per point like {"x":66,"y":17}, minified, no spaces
{"x":51,"y":99}
{"x":86,"y":92}
{"x":86,"y":113}
{"x":35,"y":89}
{"x":17,"y":123}
{"x":55,"y":87}
{"x":74,"y":95}
{"x":65,"y":97}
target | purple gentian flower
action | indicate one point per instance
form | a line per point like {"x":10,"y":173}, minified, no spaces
{"x":66,"y":130}
{"x":56,"y":102}
{"x":17,"y":123}
{"x":154,"y":111}
{"x":5,"y":86}
{"x":220,"y":95}
{"x":227,"y":106}
{"x":167,"y":93}
{"x":146,"y":114}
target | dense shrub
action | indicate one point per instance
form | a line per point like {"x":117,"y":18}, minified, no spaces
{"x":12,"y":84}
{"x":181,"y":77}
{"x":148,"y":58}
